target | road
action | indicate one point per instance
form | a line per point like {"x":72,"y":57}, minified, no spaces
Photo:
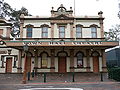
{"x":83,"y":85}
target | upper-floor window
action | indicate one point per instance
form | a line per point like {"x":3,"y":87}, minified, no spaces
{"x":61,"y":31}
{"x":94,"y":32}
{"x":29,"y":30}
{"x":44,"y":32}
{"x":78,"y":31}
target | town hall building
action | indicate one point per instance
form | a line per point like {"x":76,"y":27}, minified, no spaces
{"x":61,"y":43}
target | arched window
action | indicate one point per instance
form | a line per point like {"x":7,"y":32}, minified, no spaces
{"x":79,"y":59}
{"x":93,"y":31}
{"x":29,"y":30}
{"x":44,"y":60}
{"x":44,"y":32}
{"x":78,"y":31}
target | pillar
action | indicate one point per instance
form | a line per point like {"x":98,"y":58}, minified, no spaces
{"x":20,"y":62}
{"x":71,"y":60}
{"x":21,"y":28}
{"x":71,"y":31}
{"x":52,"y":68}
{"x":52,"y":30}
{"x":104,"y":68}
{"x":88,"y":59}
{"x":36,"y":60}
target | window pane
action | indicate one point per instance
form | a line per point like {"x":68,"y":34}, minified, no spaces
{"x":45,"y":29}
{"x":93,"y":29}
{"x":78,"y":35}
{"x":78,"y":29}
{"x":62,"y":31}
{"x":80,"y":63}
{"x":45,"y":32}
{"x":44,"y":35}
{"x":44,"y":60}
{"x":29,"y":32}
{"x":94,"y":35}
{"x":29,"y":29}
{"x":62,"y":35}
{"x":79,"y":60}
{"x":94,"y":32}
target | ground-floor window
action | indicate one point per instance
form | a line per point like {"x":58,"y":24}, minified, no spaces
{"x":44,"y":60}
{"x":79,"y":59}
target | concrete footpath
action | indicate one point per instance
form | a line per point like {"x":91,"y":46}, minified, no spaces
{"x":86,"y":81}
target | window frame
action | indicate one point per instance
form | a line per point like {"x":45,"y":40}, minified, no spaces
{"x":79,"y":32}
{"x":42,"y":59}
{"x":93,"y":33}
{"x":44,"y":32}
{"x":29,"y":32}
{"x":80,"y":59}
{"x":61,"y":32}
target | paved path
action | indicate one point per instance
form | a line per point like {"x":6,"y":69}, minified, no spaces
{"x":84,"y":81}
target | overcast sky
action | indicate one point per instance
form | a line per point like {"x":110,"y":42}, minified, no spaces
{"x":82,"y":7}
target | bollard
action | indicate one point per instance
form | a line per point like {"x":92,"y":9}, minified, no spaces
{"x":101,"y":77}
{"x":44,"y":77}
{"x":73,"y":75}
{"x":28,"y":76}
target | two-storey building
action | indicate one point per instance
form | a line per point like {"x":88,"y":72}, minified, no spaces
{"x":62,"y":42}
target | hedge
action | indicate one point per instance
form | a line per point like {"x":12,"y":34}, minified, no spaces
{"x":114,"y":73}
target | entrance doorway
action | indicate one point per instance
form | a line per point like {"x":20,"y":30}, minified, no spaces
{"x":62,"y":65}
{"x":95,"y":64}
{"x":9,"y":65}
{"x":95,"y":56}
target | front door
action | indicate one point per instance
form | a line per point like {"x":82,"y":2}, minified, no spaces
{"x":62,"y":65}
{"x":9,"y":65}
{"x":95,"y":64}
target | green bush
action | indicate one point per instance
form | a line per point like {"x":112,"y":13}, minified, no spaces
{"x":114,"y":73}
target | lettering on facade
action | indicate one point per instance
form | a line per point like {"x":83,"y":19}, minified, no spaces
{"x":86,"y":43}
{"x":61,"y":43}
{"x":56,"y":43}
{"x":32,"y":43}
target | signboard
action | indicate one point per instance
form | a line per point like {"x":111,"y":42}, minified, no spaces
{"x":61,"y":43}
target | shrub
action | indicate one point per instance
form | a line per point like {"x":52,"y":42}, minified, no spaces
{"x":114,"y":73}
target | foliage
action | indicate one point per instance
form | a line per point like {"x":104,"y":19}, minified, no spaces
{"x":113,"y":33}
{"x":7,"y":12}
{"x":114,"y":73}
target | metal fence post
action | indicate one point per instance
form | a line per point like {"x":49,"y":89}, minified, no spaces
{"x":33,"y":74}
{"x":101,"y":75}
{"x":28,"y":76}
{"x":44,"y":77}
{"x":73,"y":77}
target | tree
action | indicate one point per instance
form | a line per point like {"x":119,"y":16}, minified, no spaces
{"x":11,"y":14}
{"x":113,"y":33}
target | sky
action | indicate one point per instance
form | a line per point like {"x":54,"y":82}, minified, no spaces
{"x":82,"y":8}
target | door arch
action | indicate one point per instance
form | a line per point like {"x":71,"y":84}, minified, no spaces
{"x":95,"y":56}
{"x":62,"y":61}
